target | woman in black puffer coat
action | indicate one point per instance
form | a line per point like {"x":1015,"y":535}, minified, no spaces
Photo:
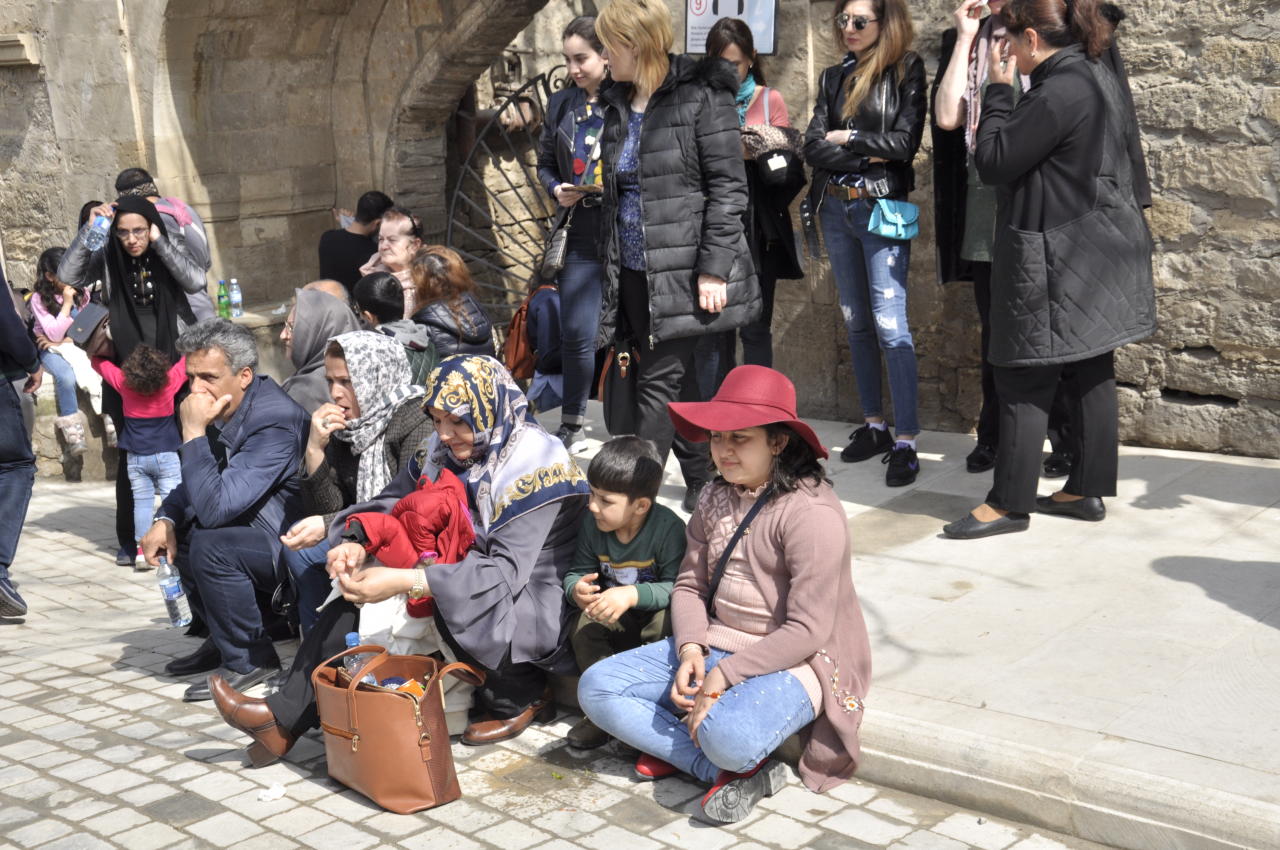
{"x":677,"y":263}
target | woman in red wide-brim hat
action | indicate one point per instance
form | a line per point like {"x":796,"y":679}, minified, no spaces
{"x":769,"y":637}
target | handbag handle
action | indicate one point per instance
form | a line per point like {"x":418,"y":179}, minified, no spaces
{"x":460,"y":669}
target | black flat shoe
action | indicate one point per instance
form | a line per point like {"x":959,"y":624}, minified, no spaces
{"x":970,"y":527}
{"x":203,"y":660}
{"x":240,"y":682}
{"x":1090,"y":508}
{"x":1057,"y":465}
{"x":981,"y":458}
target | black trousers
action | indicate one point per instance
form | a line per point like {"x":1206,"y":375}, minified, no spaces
{"x":113,"y":406}
{"x":1026,"y":394}
{"x":224,"y":570}
{"x":507,"y":691}
{"x":989,"y":415}
{"x":665,"y":374}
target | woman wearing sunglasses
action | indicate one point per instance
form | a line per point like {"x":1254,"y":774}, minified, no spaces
{"x":866,"y":128}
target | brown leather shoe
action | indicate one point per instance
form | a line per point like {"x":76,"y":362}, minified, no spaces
{"x":491,"y":730}
{"x":253,"y":717}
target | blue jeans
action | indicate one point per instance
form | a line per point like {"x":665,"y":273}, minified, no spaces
{"x":581,"y":283}
{"x":871,"y":281}
{"x":629,"y":696}
{"x":17,"y":474}
{"x":151,"y":476}
{"x":64,"y":381}
{"x":310,"y":581}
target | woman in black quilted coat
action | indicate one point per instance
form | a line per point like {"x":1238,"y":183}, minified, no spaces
{"x":1071,"y":265}
{"x":677,"y":264}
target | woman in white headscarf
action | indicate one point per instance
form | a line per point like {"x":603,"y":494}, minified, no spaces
{"x":358,"y":441}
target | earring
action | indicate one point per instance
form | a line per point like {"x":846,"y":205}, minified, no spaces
{"x":1033,"y":54}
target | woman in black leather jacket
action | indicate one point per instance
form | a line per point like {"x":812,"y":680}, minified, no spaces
{"x":866,"y":127}
{"x":568,"y":157}
{"x":454,"y":319}
{"x":677,"y":264}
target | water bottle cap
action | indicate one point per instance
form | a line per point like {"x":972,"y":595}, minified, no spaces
{"x":353,"y":639}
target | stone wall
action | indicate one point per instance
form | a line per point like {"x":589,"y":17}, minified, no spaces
{"x":266,"y":113}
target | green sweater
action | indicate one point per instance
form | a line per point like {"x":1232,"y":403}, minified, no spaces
{"x":650,"y":561}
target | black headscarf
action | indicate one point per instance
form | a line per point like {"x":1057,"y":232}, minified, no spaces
{"x":170,"y":304}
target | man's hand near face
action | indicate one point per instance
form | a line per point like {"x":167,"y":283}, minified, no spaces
{"x":198,"y":411}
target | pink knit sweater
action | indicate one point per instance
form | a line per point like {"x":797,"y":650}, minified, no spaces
{"x":798,"y":555}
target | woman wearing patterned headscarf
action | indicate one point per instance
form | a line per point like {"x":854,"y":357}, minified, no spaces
{"x":501,"y":608}
{"x":358,"y":441}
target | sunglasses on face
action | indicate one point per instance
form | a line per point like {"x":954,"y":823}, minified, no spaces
{"x":859,"y":22}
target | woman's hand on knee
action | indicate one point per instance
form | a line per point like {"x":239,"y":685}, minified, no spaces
{"x":345,"y":559}
{"x":306,"y":532}
{"x":713,"y":687}
{"x":689,"y":676}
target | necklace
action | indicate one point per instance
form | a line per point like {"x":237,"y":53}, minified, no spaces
{"x":142,"y":287}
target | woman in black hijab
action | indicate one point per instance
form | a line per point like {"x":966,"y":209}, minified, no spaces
{"x":147,"y":276}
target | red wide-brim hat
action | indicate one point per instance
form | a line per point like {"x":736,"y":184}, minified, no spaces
{"x":751,"y":396}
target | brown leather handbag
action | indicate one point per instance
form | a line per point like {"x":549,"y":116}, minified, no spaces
{"x":391,"y":746}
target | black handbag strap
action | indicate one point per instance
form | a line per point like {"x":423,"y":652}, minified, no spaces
{"x":718,"y":575}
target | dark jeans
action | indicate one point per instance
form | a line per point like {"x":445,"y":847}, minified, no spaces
{"x":507,"y":691}
{"x":17,"y":474}
{"x":581,"y":283}
{"x":1026,"y":393}
{"x":717,"y":354}
{"x":310,"y":581}
{"x":222,"y":569}
{"x":665,"y":374}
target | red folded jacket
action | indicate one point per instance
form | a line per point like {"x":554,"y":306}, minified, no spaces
{"x":433,"y":522}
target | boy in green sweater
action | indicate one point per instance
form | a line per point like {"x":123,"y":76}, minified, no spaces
{"x":629,"y":552}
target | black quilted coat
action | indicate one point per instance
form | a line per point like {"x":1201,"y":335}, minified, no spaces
{"x":694,"y":193}
{"x":1071,"y":269}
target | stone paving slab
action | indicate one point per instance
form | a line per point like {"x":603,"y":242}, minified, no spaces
{"x":98,"y":751}
{"x":1112,"y":681}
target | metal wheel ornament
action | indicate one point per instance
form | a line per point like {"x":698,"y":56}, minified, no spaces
{"x":499,"y":214}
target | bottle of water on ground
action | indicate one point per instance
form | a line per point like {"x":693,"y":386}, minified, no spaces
{"x":98,"y":233}
{"x":224,"y":301}
{"x":236,"y":297}
{"x":175,"y":600}
{"x":353,"y":663}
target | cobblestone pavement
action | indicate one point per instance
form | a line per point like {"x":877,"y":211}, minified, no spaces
{"x":97,"y":750}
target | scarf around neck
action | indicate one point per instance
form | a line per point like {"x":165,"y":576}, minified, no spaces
{"x":517,"y":465}
{"x":380,"y":377}
{"x":743,"y":98}
{"x":979,"y":58}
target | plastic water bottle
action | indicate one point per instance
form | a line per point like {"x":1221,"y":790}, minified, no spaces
{"x":175,"y":600}
{"x":98,"y":233}
{"x":224,"y":302}
{"x":236,"y":297}
{"x":353,"y":663}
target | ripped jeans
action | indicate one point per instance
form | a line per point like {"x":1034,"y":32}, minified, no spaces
{"x":871,"y":281}
{"x":628,"y":696}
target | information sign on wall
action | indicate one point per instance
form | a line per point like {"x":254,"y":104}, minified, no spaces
{"x":760,"y":15}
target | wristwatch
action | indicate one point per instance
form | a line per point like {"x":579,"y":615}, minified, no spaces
{"x":419,"y":588}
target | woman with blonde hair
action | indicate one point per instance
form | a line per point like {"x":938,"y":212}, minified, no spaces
{"x":865,"y":131}
{"x":677,"y":263}
{"x":447,"y":306}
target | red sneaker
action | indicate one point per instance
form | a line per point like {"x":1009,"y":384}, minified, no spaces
{"x":735,"y":794}
{"x":649,"y":768}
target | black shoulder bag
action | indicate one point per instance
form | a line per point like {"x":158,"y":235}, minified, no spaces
{"x":718,"y":575}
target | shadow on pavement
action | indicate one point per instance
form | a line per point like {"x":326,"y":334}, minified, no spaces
{"x":1250,"y":587}
{"x":1211,"y":480}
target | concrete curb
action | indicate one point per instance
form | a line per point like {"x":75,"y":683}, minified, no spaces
{"x":1076,"y":794}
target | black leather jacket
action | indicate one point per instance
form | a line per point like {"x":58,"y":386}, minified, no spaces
{"x":890,"y":124}
{"x":473,"y":335}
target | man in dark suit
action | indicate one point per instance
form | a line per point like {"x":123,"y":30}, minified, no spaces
{"x":242,"y":440}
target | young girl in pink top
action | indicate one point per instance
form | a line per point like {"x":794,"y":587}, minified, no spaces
{"x":769,"y":637}
{"x":147,"y":384}
{"x":54,"y":306}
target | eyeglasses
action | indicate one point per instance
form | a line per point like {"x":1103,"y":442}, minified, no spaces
{"x":859,"y":21}
{"x":138,"y":233}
